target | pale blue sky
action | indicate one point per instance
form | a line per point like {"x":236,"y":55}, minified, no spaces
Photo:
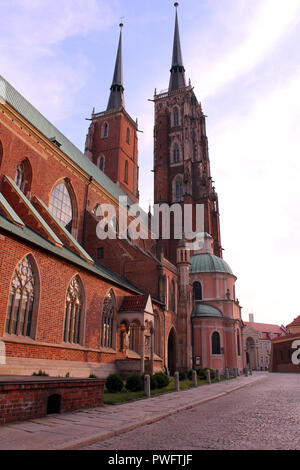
{"x":243,"y":58}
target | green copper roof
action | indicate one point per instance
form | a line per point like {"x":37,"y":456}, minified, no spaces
{"x":33,"y":238}
{"x":32,"y":115}
{"x":202,"y":310}
{"x":208,"y":263}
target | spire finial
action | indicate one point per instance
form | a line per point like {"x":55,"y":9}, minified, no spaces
{"x":116,"y":99}
{"x":177,"y":79}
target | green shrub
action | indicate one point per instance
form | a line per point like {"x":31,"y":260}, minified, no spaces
{"x":161,"y":379}
{"x":92,"y":376}
{"x":134,"y":383}
{"x":201,"y":374}
{"x":40,"y":373}
{"x":153,"y":382}
{"x":114,"y":383}
{"x":190,"y":374}
{"x":182,"y":376}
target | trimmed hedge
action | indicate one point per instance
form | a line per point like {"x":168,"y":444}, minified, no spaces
{"x":134,"y":383}
{"x":162,"y":379}
{"x":114,"y":383}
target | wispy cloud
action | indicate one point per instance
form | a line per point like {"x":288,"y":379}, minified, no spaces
{"x":32,"y":54}
{"x":273,"y":20}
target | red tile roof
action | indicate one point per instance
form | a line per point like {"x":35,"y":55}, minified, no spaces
{"x":265,"y":329}
{"x":134,"y":303}
{"x":295,"y":322}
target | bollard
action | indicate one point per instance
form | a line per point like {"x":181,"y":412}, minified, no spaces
{"x":194,"y":376}
{"x":176,"y":377}
{"x":227,"y":373}
{"x":147,"y":385}
{"x":208,"y":376}
{"x":218,"y":375}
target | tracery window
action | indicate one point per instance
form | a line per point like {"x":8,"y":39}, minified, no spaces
{"x":61,"y":205}
{"x":215,"y":343}
{"x":108,"y":313}
{"x":73,"y":312}
{"x":178,"y":196}
{"x":21,"y":300}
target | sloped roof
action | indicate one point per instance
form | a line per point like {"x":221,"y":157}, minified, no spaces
{"x":265,"y":328}
{"x":295,"y":322}
{"x":134,"y":303}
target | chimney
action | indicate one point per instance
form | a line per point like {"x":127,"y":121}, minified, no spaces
{"x":251,"y":317}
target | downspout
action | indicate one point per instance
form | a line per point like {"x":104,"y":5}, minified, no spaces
{"x":85,"y":210}
{"x":193,"y":342}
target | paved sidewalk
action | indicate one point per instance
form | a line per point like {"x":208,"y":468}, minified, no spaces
{"x":81,"y":428}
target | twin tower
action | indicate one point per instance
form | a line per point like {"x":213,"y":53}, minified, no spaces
{"x":181,"y":160}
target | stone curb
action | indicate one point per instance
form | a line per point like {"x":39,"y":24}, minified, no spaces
{"x":77,"y":444}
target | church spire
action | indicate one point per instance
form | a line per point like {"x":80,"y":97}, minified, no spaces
{"x":177,"y":79}
{"x":116,"y":99}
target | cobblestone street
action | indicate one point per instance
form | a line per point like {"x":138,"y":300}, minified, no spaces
{"x":264,"y":415}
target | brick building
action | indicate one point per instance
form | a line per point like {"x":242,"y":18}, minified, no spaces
{"x":71,"y":302}
{"x":258,"y":342}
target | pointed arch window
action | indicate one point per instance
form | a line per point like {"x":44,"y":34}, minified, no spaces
{"x":176,"y":117}
{"x":73,"y":312}
{"x":238,"y":342}
{"x":20,"y":176}
{"x":23,"y":176}
{"x":128,"y":135}
{"x":197,"y":290}
{"x":178,"y":189}
{"x":22,"y":299}
{"x":176,"y":154}
{"x":105,"y":130}
{"x":215,"y":343}
{"x":126,"y":172}
{"x":1,"y":152}
{"x":108,"y":315}
{"x":61,"y":206}
{"x":100,"y":163}
{"x":172,"y":296}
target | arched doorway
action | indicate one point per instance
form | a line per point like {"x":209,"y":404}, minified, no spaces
{"x":250,"y":353}
{"x":172,"y":352}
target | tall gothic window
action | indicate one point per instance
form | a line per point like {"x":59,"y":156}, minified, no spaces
{"x":172,"y":296}
{"x":21,"y":300}
{"x":74,"y":312}
{"x":61,"y":205}
{"x":105,"y":130}
{"x":176,"y":117}
{"x":197,"y":291}
{"x":126,"y":172}
{"x":1,"y":153}
{"x":128,"y":135}
{"x":20,"y":176}
{"x":215,"y":343}
{"x":176,"y":153}
{"x":108,"y":313}
{"x":178,"y":189}
{"x":238,"y":342}
{"x":101,"y":163}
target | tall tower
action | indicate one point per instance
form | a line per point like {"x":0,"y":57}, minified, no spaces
{"x":112,"y":142}
{"x":181,"y":159}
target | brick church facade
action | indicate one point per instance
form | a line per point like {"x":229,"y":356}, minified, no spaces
{"x":72,"y":303}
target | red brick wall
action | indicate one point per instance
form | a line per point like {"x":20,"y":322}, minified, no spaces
{"x":27,"y":400}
